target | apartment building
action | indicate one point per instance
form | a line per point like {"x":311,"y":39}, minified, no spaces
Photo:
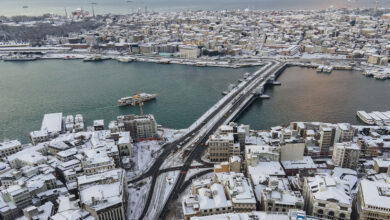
{"x":222,"y":146}
{"x":140,"y":126}
{"x":9,"y":147}
{"x":326,"y":141}
{"x":346,"y":155}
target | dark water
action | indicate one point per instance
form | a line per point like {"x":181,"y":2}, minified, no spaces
{"x":29,"y":90}
{"x":309,"y":96}
{"x":37,"y":7}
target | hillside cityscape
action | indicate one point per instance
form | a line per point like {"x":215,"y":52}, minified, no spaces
{"x":135,"y":167}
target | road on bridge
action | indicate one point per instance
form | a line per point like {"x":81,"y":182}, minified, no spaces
{"x":197,"y":137}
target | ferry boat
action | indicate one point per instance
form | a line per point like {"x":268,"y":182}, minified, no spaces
{"x":366,"y":118}
{"x":136,"y":99}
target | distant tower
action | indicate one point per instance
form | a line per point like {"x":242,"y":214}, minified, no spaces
{"x":93,"y":10}
{"x":376,"y":7}
{"x":66,"y":13}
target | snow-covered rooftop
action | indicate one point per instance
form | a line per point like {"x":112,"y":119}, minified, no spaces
{"x":52,"y":122}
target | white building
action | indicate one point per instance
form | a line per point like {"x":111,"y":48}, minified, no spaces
{"x":373,"y":200}
{"x":104,"y":195}
{"x":346,"y":155}
{"x":327,"y":197}
{"x":239,"y":191}
{"x":222,"y":146}
{"x":9,"y":147}
{"x":189,"y":51}
{"x":208,"y":201}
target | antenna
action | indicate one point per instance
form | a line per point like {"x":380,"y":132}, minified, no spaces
{"x":376,"y":7}
{"x":93,"y":10}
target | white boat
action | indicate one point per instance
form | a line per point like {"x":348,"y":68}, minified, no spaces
{"x":383,"y":117}
{"x":327,"y":69}
{"x":125,"y":59}
{"x":320,"y":68}
{"x":19,"y":58}
{"x":78,"y":123}
{"x":380,"y":76}
{"x":368,"y":73}
{"x":69,"y":123}
{"x":366,"y":118}
{"x":164,"y":61}
{"x":78,"y":118}
{"x":376,"y":119}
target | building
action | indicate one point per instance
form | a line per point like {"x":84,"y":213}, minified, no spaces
{"x":373,"y":200}
{"x":262,"y":161}
{"x":344,"y":133}
{"x":221,"y":147}
{"x":208,"y":201}
{"x":277,"y":196}
{"x":346,"y":155}
{"x":326,"y":134}
{"x":51,"y":127}
{"x":140,"y":126}
{"x":291,"y":215}
{"x":292,"y":150}
{"x":104,"y":195}
{"x":381,"y":165}
{"x":327,"y":197}
{"x":9,"y":147}
{"x":293,"y":167}
{"x":125,"y":145}
{"x":189,"y":51}
{"x":52,"y":123}
{"x":18,"y":196}
{"x":239,"y":190}
{"x":41,"y":212}
{"x":68,"y":208}
{"x":98,"y":125}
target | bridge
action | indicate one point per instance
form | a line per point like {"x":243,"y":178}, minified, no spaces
{"x":195,"y":137}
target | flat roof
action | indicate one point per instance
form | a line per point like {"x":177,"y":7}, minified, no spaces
{"x":52,"y":122}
